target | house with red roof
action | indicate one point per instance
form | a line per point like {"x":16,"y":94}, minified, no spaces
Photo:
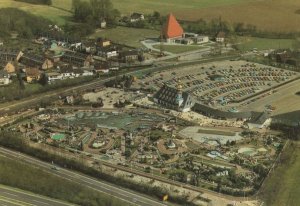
{"x":172,"y":29}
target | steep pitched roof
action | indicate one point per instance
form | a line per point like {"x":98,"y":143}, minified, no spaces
{"x":221,"y":34}
{"x":172,"y":28}
{"x":32,"y":71}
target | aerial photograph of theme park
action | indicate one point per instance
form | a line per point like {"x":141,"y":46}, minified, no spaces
{"x":149,"y":103}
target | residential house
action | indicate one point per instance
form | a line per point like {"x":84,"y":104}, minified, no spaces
{"x":78,"y":72}
{"x":89,"y":47}
{"x":4,"y":78}
{"x":107,"y":52}
{"x":129,"y":56}
{"x":220,"y":37}
{"x":10,"y":55}
{"x":10,"y":68}
{"x":103,"y":24}
{"x":54,"y":76}
{"x":67,"y":72}
{"x":103,"y":42}
{"x":136,"y":17}
{"x":87,"y":73}
{"x":105,"y":67}
{"x":32,"y":60}
{"x":32,"y":74}
{"x":77,"y":59}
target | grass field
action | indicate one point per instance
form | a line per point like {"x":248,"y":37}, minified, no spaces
{"x":282,"y":187}
{"x":270,"y":15}
{"x":267,"y":15}
{"x":21,"y":175}
{"x":165,"y":6}
{"x":57,"y":15}
{"x":248,"y":43}
{"x":125,"y":35}
{"x":216,"y":132}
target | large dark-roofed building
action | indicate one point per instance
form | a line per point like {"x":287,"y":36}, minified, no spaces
{"x":174,"y":98}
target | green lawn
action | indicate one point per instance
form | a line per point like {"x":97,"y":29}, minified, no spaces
{"x":165,"y":6}
{"x":216,"y":132}
{"x":57,"y":15}
{"x":249,"y":43}
{"x":178,"y":48}
{"x":16,"y":173}
{"x":127,"y":36}
{"x":282,"y":187}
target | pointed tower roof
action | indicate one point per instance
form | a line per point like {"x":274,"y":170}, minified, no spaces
{"x":172,"y":28}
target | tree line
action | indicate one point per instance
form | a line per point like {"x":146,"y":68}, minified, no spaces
{"x":24,"y":24}
{"x":44,"y":2}
{"x":94,"y":11}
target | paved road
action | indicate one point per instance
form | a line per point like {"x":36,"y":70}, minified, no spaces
{"x":14,"y":197}
{"x":52,"y":95}
{"x":117,"y":192}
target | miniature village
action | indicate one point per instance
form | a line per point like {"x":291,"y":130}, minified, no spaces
{"x":194,"y":124}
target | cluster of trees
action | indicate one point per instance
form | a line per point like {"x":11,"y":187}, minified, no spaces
{"x":291,"y":132}
{"x":215,"y":25}
{"x":44,"y":2}
{"x":94,"y":11}
{"x":152,"y":21}
{"x":24,"y":24}
{"x":211,"y":27}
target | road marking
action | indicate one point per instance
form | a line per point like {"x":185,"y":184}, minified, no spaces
{"x":14,"y":201}
{"x":85,"y":178}
{"x":44,"y":203}
{"x":10,"y":194}
{"x":34,"y":195}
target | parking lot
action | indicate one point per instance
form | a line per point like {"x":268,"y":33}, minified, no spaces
{"x":223,"y":85}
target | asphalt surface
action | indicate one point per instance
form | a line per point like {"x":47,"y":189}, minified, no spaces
{"x":115,"y":191}
{"x":52,"y":95}
{"x":11,"y":197}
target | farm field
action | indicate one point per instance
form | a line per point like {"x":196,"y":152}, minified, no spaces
{"x":178,"y":48}
{"x":287,"y":176}
{"x":249,"y":43}
{"x":55,"y":14}
{"x":269,"y":15}
{"x":266,"y":15}
{"x":126,"y":35}
{"x":166,"y":6}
